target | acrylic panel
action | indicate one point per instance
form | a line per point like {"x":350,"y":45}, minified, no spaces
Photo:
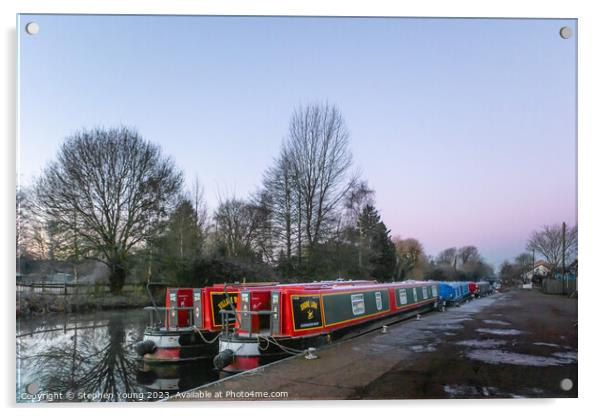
{"x":371,"y":208}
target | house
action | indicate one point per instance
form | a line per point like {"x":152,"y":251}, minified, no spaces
{"x":541,"y":269}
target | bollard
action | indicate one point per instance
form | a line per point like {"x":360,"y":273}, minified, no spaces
{"x":309,"y":354}
{"x":417,"y":317}
{"x":385,"y":329}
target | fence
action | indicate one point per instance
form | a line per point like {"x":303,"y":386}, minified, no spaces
{"x":64,"y":289}
{"x":558,"y":287}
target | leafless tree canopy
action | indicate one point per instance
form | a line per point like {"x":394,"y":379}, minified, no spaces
{"x":311,"y":176}
{"x":239,"y":227}
{"x":358,"y":197}
{"x":318,"y":145}
{"x":410,"y":255}
{"x":448,"y":257}
{"x":468,"y":254}
{"x":108,"y":187}
{"x":547,"y":242}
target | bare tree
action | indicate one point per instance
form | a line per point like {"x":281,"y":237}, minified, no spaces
{"x":410,"y":256}
{"x":318,"y":147}
{"x":281,"y":195}
{"x":358,"y":197}
{"x":547,"y":242}
{"x":115,"y":183}
{"x":468,"y":254}
{"x":200,"y":208}
{"x":20,"y":220}
{"x":448,"y":257}
{"x":32,"y":235}
{"x":238,"y":224}
{"x":523,"y":264}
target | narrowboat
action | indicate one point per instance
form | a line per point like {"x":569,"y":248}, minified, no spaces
{"x":484,"y":288}
{"x":453,"y":293}
{"x":277,"y":321}
{"x":473,"y":289}
{"x":187,"y":328}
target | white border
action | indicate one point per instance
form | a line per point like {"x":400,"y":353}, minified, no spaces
{"x":589,"y":170}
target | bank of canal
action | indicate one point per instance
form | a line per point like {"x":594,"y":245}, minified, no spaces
{"x":513,"y":344}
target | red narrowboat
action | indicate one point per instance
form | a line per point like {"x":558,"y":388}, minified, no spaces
{"x":188,"y":326}
{"x":275,"y":321}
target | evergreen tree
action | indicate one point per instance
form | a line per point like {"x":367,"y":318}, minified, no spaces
{"x":376,"y":242}
{"x":179,"y":247}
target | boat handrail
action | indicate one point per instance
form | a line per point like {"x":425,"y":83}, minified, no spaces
{"x":224,"y":315}
{"x":156,"y":309}
{"x":262,"y":312}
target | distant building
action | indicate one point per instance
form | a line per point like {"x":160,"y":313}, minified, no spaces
{"x":541,"y":270}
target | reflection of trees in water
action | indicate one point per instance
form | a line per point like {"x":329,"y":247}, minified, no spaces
{"x":96,"y":361}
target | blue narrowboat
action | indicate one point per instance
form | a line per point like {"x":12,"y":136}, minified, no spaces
{"x":453,"y":292}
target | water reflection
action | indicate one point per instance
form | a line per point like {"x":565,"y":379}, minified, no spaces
{"x":90,"y":358}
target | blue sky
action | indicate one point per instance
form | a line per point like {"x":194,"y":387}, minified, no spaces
{"x":464,"y":127}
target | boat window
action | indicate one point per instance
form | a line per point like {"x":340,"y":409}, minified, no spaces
{"x":415,"y":295}
{"x":379,"y":300}
{"x":424,"y":292}
{"x":435,"y":291}
{"x":357,"y":304}
{"x":403,"y":297}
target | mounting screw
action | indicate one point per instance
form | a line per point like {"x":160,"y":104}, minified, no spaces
{"x":32,"y":28}
{"x":566,"y":32}
{"x":566,"y":384}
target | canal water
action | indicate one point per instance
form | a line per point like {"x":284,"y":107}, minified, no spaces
{"x":90,"y":357}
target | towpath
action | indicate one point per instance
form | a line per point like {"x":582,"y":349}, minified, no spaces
{"x":513,"y":344}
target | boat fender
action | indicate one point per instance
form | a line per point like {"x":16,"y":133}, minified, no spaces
{"x":223,"y":359}
{"x":145,"y":347}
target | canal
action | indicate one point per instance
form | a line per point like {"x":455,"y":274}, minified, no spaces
{"x":90,"y":357}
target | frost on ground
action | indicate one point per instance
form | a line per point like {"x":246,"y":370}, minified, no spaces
{"x":499,"y":331}
{"x":445,"y":327}
{"x":566,"y":355}
{"x":482,"y":343}
{"x":547,"y":344}
{"x":464,"y":391}
{"x":505,"y":357}
{"x":495,"y":322}
{"x":423,"y":348}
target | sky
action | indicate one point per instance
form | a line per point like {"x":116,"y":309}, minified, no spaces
{"x":465,"y":128}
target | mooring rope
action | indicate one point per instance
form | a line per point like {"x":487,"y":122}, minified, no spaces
{"x":198,"y":331}
{"x":288,"y":350}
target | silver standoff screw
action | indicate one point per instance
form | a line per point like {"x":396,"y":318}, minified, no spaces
{"x":309,"y":354}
